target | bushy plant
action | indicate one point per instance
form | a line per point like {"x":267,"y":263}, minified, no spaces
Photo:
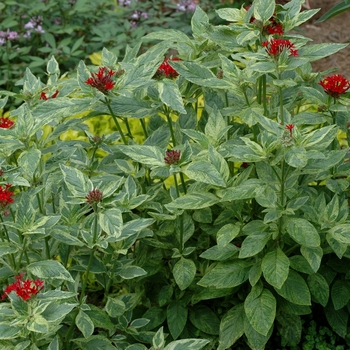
{"x":225,"y":221}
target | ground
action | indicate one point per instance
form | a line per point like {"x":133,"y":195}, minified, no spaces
{"x":336,"y":29}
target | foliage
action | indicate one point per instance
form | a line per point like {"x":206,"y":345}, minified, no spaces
{"x":71,"y":30}
{"x":225,"y":222}
{"x":336,"y":10}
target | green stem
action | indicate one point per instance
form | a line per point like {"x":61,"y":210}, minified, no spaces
{"x":143,"y":124}
{"x":92,"y":160}
{"x":92,"y":253}
{"x":128,"y":127}
{"x":281,"y":105}
{"x":108,"y":104}
{"x":12,"y":258}
{"x":170,"y":123}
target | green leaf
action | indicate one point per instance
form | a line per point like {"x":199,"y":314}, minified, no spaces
{"x":319,"y":139}
{"x":303,"y":232}
{"x":204,"y":319}
{"x":129,"y":272}
{"x":49,"y":269}
{"x":317,"y":51}
{"x":115,"y":307}
{"x":261,"y":311}
{"x":78,"y":183}
{"x":9,"y":331}
{"x":170,"y":95}
{"x":148,"y":155}
{"x":219,"y":163}
{"x":55,"y":312}
{"x":264,"y":10}
{"x":231,"y":327}
{"x":226,"y":274}
{"x":176,"y":318}
{"x":109,"y":59}
{"x":193,"y":201}
{"x":340,"y":294}
{"x":226,"y":234}
{"x":199,"y":74}
{"x":341,"y":233}
{"x":38,"y":324}
{"x":184,"y":272}
{"x":334,"y":11}
{"x":253,"y":244}
{"x":158,"y":339}
{"x":29,"y":160}
{"x":319,"y":288}
{"x":139,"y":322}
{"x":7,"y":248}
{"x":313,"y":256}
{"x":199,"y":22}
{"x":84,"y":324}
{"x":255,"y":340}
{"x":275,"y":267}
{"x":295,"y":289}
{"x":296,"y":157}
{"x":245,"y":190}
{"x":54,"y":345}
{"x":111,"y":221}
{"x":216,"y":127}
{"x":187,"y":344}
{"x":338,"y":319}
{"x":205,"y":172}
{"x":220,"y":253}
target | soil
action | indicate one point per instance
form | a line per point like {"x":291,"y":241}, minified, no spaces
{"x":334,"y":30}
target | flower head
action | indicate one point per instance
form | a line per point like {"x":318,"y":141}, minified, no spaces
{"x":6,"y":123}
{"x":165,"y":70}
{"x":102,"y":80}
{"x":45,"y":98}
{"x":275,"y":47}
{"x":290,"y":127}
{"x":94,"y":197}
{"x":24,"y":288}
{"x":335,"y":85}
{"x":274,"y":28}
{"x":172,"y":157}
{"x":5,"y":196}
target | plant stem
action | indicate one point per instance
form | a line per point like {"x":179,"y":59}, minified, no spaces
{"x":92,"y":253}
{"x":12,"y":258}
{"x":128,"y":127}
{"x":143,"y":124}
{"x":116,"y":122}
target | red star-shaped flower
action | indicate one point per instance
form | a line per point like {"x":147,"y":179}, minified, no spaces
{"x":102,"y":80}
{"x":335,"y":85}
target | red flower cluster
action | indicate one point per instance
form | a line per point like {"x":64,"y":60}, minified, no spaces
{"x":5,"y":196}
{"x":274,"y":28}
{"x":335,"y":85}
{"x":172,"y":157}
{"x":24,"y":289}
{"x":45,"y":98}
{"x":94,"y":197}
{"x":165,"y":70}
{"x":102,"y":80}
{"x":290,"y":127}
{"x":274,"y":47}
{"x":6,"y":123}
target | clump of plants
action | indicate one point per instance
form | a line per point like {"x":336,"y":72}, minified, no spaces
{"x":73,"y":30}
{"x":222,"y":221}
